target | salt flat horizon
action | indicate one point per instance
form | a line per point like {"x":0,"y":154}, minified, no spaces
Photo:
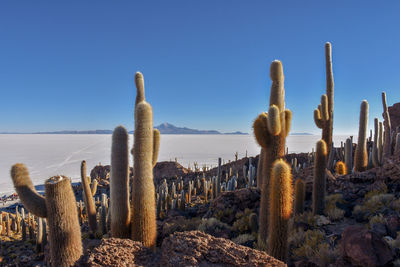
{"x":47,"y":155}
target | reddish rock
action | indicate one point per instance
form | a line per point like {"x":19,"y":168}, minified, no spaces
{"x":118,"y":252}
{"x":196,"y":248}
{"x":167,"y":169}
{"x":192,"y":248}
{"x":362,"y":247}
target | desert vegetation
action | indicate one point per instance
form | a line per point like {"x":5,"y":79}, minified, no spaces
{"x":335,"y":206}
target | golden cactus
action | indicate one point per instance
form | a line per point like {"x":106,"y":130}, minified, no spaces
{"x":271,"y":130}
{"x":281,"y":205}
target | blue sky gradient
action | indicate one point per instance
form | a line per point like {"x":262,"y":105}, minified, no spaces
{"x":70,"y":65}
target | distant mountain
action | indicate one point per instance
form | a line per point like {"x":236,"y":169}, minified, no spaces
{"x":301,"y":134}
{"x":164,"y":128}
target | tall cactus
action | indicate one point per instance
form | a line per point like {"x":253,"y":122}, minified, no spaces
{"x":375,"y":147}
{"x":323,"y":115}
{"x":88,"y":198}
{"x":119,"y":184}
{"x":319,"y":185}
{"x":281,"y":205}
{"x":387,"y":141}
{"x":146,"y":142}
{"x":348,"y":154}
{"x":271,"y":130}
{"x":59,"y":207}
{"x":361,"y":154}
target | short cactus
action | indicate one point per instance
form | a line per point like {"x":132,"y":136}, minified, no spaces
{"x":271,"y":130}
{"x":59,"y":207}
{"x":88,"y":198}
{"x":341,"y":168}
{"x":319,"y":185}
{"x":281,"y":205}
{"x":361,"y":154}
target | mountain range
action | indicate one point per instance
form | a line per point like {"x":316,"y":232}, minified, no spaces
{"x":164,"y":128}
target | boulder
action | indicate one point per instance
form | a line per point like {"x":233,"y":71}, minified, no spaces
{"x":362,"y":247}
{"x":196,"y":248}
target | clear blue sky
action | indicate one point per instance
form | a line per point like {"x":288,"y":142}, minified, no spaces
{"x":71,"y":64}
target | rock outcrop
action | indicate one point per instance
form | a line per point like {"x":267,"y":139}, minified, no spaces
{"x":362,"y":247}
{"x":193,"y":248}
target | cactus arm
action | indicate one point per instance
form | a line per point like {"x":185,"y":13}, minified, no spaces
{"x":324,"y":108}
{"x":317,"y":119}
{"x":277,"y":95}
{"x":34,"y":202}
{"x":88,"y":198}
{"x":288,"y":121}
{"x":260,"y":127}
{"x":139,"y":81}
{"x":274,"y":120}
{"x":93,"y":188}
{"x":156,"y":146}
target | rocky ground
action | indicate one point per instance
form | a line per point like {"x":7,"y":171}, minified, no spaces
{"x":360,"y":228}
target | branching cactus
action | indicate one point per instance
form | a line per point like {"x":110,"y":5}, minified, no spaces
{"x":319,"y":185}
{"x":323,"y":115}
{"x":146,"y":146}
{"x":119,"y":184}
{"x":59,"y":207}
{"x":88,"y":198}
{"x":361,"y":154}
{"x":281,"y":205}
{"x":271,"y":130}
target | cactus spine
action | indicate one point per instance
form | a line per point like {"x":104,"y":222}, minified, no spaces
{"x":88,"y":198}
{"x":59,"y":207}
{"x":119,"y":184}
{"x":319,"y":185}
{"x":143,"y":219}
{"x":361,"y":155}
{"x":281,"y":202}
{"x":323,"y":115}
{"x":271,"y":130}
{"x":300,"y":195}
